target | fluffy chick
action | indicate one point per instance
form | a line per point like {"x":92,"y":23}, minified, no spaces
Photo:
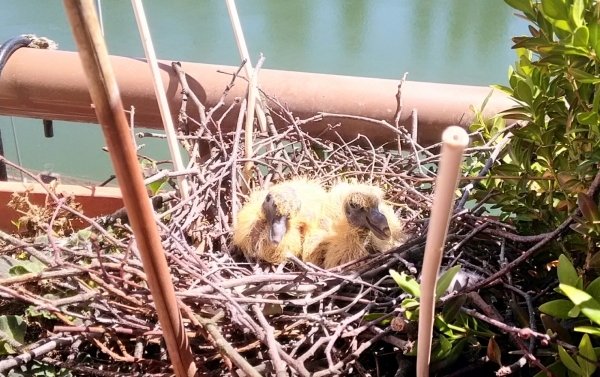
{"x":360,"y":222}
{"x":276,"y":221}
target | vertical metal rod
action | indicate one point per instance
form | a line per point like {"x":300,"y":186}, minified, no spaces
{"x":3,"y":172}
{"x":48,"y":128}
{"x":99,"y":10}
{"x":111,"y":115}
{"x":19,"y":161}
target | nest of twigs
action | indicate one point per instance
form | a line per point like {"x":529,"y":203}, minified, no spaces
{"x":89,"y":309}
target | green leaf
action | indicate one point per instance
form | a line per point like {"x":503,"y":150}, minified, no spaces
{"x":556,"y":9}
{"x":454,"y":353}
{"x":593,"y":289}
{"x":583,"y":76}
{"x":574,"y":313}
{"x":508,"y":169}
{"x":566,"y":272}
{"x":568,"y":361}
{"x":407,"y":283}
{"x":595,"y":263}
{"x":503,"y":88}
{"x":589,"y":118}
{"x":37,"y":368}
{"x":577,"y":14}
{"x":441,"y":350}
{"x":580,"y":228}
{"x":15,"y":327}
{"x":442,"y":326}
{"x":412,"y":315}
{"x":594,"y":32}
{"x":410,"y":303}
{"x":589,"y":307}
{"x":589,"y":209}
{"x":444,"y":281}
{"x":155,"y":186}
{"x":16,"y":223}
{"x":560,"y":49}
{"x":373,"y":316}
{"x":556,"y":328}
{"x":528,"y":43}
{"x":552,"y":59}
{"x":84,"y":235}
{"x":558,"y":368}
{"x":596,"y":47}
{"x":522,"y":5}
{"x":26,"y":267}
{"x":32,"y":312}
{"x":523,"y":92}
{"x":519,"y":314}
{"x":581,"y":37}
{"x":452,"y":307}
{"x":588,"y":330}
{"x":557,"y":308}
{"x":562,"y":28}
{"x":587,"y":350}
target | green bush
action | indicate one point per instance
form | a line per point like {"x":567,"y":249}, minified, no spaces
{"x":553,"y":154}
{"x":543,"y":172}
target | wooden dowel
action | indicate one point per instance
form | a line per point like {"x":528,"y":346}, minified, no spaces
{"x":159,"y":90}
{"x":111,"y":116}
{"x":454,"y":141}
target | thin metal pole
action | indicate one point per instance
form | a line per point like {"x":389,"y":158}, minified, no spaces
{"x":111,"y":116}
{"x":19,"y":161}
{"x":99,"y":10}
{"x":3,"y":172}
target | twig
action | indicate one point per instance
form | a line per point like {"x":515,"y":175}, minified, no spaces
{"x":32,"y":354}
{"x":399,"y":111}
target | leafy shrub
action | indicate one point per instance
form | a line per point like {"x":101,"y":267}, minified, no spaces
{"x":549,"y":158}
{"x":553,"y":154}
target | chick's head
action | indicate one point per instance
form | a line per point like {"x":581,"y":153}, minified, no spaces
{"x":279,"y":206}
{"x":362,"y":210}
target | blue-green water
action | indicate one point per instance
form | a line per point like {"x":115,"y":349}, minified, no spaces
{"x":449,"y":41}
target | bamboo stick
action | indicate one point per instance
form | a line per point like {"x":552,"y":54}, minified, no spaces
{"x":253,"y":94}
{"x":241,"y":42}
{"x":454,"y":141}
{"x":111,"y":116}
{"x":159,"y":90}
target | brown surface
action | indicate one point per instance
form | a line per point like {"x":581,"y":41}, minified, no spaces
{"x":51,"y":84}
{"x":96,"y":201}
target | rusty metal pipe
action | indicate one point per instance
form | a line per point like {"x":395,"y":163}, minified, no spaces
{"x":51,"y":84}
{"x":109,"y":109}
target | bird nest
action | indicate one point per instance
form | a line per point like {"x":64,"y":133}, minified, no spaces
{"x":83,"y":299}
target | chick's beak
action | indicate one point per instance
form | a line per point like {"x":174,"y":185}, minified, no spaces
{"x":277,"y":229}
{"x":378,"y":224}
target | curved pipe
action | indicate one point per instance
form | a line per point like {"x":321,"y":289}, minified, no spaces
{"x":51,"y":85}
{"x":10,"y":46}
{"x":6,"y":50}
